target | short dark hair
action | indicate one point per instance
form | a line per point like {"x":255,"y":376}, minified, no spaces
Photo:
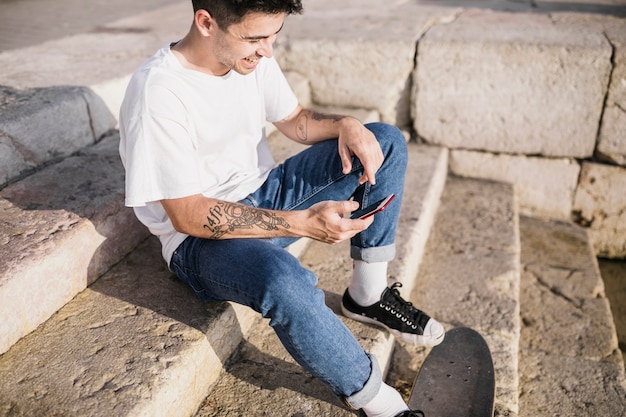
{"x":229,"y":12}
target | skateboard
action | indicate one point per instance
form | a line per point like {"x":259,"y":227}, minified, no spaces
{"x":457,"y":378}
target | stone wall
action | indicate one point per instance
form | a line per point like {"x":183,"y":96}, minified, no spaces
{"x":539,"y":101}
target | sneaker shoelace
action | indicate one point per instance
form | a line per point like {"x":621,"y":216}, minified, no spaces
{"x":402,"y":309}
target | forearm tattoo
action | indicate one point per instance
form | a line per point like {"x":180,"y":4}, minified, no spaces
{"x":302,"y":124}
{"x":227,"y":217}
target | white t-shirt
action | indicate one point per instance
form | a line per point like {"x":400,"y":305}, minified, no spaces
{"x":184,"y":132}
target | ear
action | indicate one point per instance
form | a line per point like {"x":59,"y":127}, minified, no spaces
{"x":204,"y":22}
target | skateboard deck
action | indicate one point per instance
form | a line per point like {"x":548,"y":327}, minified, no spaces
{"x":457,"y":378}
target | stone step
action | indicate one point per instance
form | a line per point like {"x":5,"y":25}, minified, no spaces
{"x":613,"y":273}
{"x":137,"y":341}
{"x":567,"y":360}
{"x":61,"y":228}
{"x":262,"y":377}
{"x":470,"y":277}
{"x":34,"y":128}
{"x":570,"y":363}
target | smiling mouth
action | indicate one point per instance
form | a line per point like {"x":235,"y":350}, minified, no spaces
{"x":251,"y":60}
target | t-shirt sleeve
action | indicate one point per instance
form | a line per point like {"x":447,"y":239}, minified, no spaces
{"x":280,"y":100}
{"x":161,"y":159}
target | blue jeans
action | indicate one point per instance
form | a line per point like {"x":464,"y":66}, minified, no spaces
{"x":261,"y":274}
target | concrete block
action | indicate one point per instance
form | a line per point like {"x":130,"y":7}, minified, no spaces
{"x":12,"y":162}
{"x":112,"y":92}
{"x":377,"y":76}
{"x":612,"y":140}
{"x":565,"y":309}
{"x":543,"y":186}
{"x":611,"y":144}
{"x":43,"y":124}
{"x":300,"y":85}
{"x":511,"y":82}
{"x":101,"y":118}
{"x":559,"y":385}
{"x":569,"y":356}
{"x":61,"y":229}
{"x":101,"y":59}
{"x":613,"y":273}
{"x":356,"y":57}
{"x":600,"y":204}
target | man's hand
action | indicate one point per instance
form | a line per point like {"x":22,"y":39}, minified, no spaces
{"x":356,"y":140}
{"x":327,"y":221}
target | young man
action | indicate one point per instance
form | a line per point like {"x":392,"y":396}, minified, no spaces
{"x":200,"y":176}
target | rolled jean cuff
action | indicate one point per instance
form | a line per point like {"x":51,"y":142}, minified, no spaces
{"x":358,"y":400}
{"x":375,"y":254}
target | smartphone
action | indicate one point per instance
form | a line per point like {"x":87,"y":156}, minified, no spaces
{"x":372,"y":209}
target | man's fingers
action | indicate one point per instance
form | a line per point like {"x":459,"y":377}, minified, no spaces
{"x":346,"y":159}
{"x":368,"y":177}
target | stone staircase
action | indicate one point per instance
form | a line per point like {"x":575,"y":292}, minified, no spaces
{"x":93,"y":324}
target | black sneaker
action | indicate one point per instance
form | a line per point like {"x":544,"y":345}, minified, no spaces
{"x":398,"y":316}
{"x":411,"y":413}
{"x":408,"y":413}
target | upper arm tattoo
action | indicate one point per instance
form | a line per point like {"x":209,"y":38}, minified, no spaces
{"x":227,"y":217}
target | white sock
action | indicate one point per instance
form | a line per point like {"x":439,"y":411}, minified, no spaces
{"x":387,"y":403}
{"x":368,"y":282}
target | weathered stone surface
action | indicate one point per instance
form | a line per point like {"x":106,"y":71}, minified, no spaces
{"x":300,"y":86}
{"x":61,"y":229}
{"x":612,"y":140}
{"x":612,"y":136}
{"x":137,"y":342}
{"x":563,"y":288}
{"x":102,"y":59}
{"x":569,"y":361}
{"x":600,"y":204}
{"x":614,"y":277}
{"x":503,"y":82}
{"x":12,"y":162}
{"x":470,"y":272}
{"x":554,"y":385}
{"x":44,"y":124}
{"x":544,"y":186}
{"x":354,"y":57}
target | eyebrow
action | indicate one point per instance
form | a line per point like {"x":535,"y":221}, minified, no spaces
{"x":256,"y":38}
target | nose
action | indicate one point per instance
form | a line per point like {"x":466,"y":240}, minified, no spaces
{"x":266,"y":47}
